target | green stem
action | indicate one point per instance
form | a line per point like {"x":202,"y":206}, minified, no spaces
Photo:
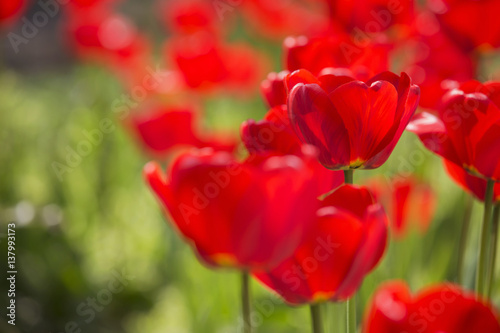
{"x":245,"y":301}
{"x":351,"y":303}
{"x":336,"y":315}
{"x":351,"y":314}
{"x":493,"y":250}
{"x":348,"y":176}
{"x":469,"y":202}
{"x":317,"y":322}
{"x":483,"y":250}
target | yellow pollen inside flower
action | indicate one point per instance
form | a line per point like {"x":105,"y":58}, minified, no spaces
{"x":322,"y":296}
{"x":224,"y":259}
{"x":356,"y":163}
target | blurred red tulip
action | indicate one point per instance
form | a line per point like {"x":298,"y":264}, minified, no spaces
{"x":347,"y":240}
{"x":250,"y":214}
{"x":273,"y":88}
{"x":467,"y":129}
{"x":108,"y":38}
{"x":407,"y":200}
{"x":364,"y":59}
{"x":441,"y":308}
{"x":199,"y":59}
{"x":245,"y":66}
{"x":280,"y":18}
{"x":161,"y":128}
{"x":470,"y":23}
{"x":353,"y":124}
{"x":371,"y":16}
{"x":274,"y":134}
{"x":187,"y":17}
{"x":469,"y":183}
{"x":10,"y":11}
{"x":206,"y":62}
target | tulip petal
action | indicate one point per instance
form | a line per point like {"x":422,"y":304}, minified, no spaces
{"x":408,"y":98}
{"x":488,"y":153}
{"x":352,"y":198}
{"x":440,"y":308}
{"x":433,"y":135}
{"x":369,"y":253}
{"x":265,"y":136}
{"x":330,"y":82}
{"x":273,"y":88}
{"x":316,"y":121}
{"x":472,"y":123}
{"x":368,"y":114}
{"x":299,"y":76}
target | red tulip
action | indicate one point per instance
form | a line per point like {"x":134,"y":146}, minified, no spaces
{"x":10,"y":10}
{"x":470,"y":23}
{"x":407,"y":200}
{"x":273,"y":88}
{"x":371,"y":16}
{"x":347,"y":240}
{"x":161,"y":128}
{"x":353,"y":124}
{"x":198,"y":58}
{"x":467,"y":128}
{"x":249,"y":214}
{"x":337,"y":50}
{"x":189,"y":17}
{"x":280,"y":18}
{"x":206,"y":62}
{"x":469,"y":183}
{"x":275,"y":135}
{"x":108,"y":38}
{"x":272,"y":134}
{"x":245,"y":66}
{"x":441,"y":308}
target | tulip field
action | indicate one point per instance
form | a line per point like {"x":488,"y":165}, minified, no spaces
{"x":250,"y":166}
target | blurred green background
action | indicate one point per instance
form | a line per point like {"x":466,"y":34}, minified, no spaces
{"x":76,"y":235}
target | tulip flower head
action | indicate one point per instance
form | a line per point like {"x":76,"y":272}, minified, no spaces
{"x":338,"y":50}
{"x":466,"y":130}
{"x":441,"y":308}
{"x":354,"y":124}
{"x":347,"y":240}
{"x":160,"y":129}
{"x":367,"y":16}
{"x":470,"y":23}
{"x":273,"y":88}
{"x":249,"y":214}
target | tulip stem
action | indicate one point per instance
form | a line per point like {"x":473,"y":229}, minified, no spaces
{"x":351,"y":314}
{"x":493,"y":250}
{"x":469,"y":202}
{"x":348,"y":176}
{"x":483,"y":249}
{"x":351,"y":303}
{"x":317,"y":322}
{"x":245,"y":301}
